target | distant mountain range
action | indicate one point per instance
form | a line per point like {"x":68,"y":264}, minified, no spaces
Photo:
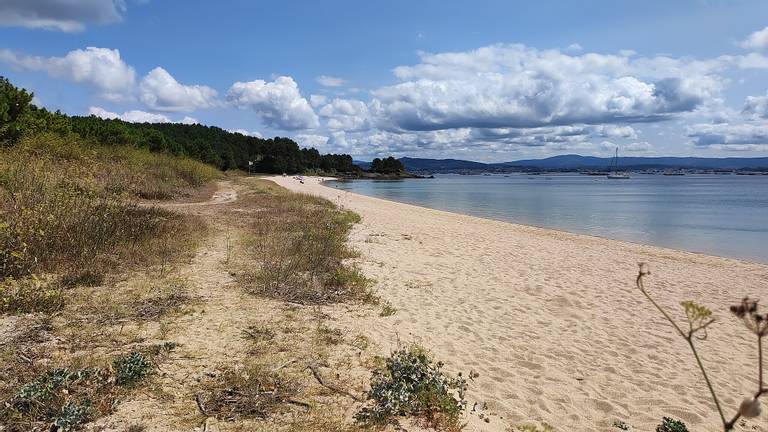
{"x":577,"y":162}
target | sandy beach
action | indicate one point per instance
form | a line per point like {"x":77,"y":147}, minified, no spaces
{"x":550,"y":320}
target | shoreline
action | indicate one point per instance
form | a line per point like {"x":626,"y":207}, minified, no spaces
{"x":550,"y":320}
{"x":323,"y":180}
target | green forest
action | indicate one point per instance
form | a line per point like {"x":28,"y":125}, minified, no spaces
{"x":209,"y":144}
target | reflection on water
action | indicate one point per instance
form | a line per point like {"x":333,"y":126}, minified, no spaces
{"x":724,"y":215}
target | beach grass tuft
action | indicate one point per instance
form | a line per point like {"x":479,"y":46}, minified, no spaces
{"x":299,"y":243}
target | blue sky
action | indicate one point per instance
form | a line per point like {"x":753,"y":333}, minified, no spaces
{"x":483,"y":80}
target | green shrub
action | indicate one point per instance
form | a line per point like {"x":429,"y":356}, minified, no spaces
{"x":671,"y":425}
{"x":621,"y":425}
{"x":63,"y":399}
{"x":387,"y":310}
{"x":72,"y":416}
{"x":30,"y":294}
{"x":131,"y":368}
{"x":412,"y":384}
{"x":60,"y":397}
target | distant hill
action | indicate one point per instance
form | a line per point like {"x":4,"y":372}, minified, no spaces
{"x":577,"y":162}
{"x":436,"y":165}
{"x":590,"y":162}
{"x":362,"y":164}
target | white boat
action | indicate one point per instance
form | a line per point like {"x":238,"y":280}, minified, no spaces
{"x":613,"y":170}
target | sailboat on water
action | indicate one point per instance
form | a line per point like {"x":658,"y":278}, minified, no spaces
{"x":613,"y":170}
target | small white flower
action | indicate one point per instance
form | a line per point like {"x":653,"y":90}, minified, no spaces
{"x":749,"y":408}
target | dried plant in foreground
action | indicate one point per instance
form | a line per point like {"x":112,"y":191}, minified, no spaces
{"x":250,"y":392}
{"x":698,"y":319}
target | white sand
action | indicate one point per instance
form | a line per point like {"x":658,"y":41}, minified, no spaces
{"x":551,"y":320}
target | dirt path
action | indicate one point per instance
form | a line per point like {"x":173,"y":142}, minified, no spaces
{"x":211,"y":334}
{"x":224,"y":194}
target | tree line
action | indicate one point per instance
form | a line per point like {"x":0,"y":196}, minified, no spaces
{"x":209,"y":144}
{"x":387,"y":165}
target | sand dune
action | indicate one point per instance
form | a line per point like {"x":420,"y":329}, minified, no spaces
{"x":551,"y":320}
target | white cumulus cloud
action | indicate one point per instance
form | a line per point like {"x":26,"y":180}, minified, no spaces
{"x":639,"y":147}
{"x":346,"y":114}
{"x":63,"y":15}
{"x":312,"y":140}
{"x":757,"y":40}
{"x":318,"y":100}
{"x":133,"y":116}
{"x":730,"y":136}
{"x":520,"y":87}
{"x":101,"y":68}
{"x":161,"y":92}
{"x":330,"y":81}
{"x":279,"y":103}
{"x":247,"y":133}
{"x":735,"y":131}
{"x":756,"y":106}
{"x":138,"y":116}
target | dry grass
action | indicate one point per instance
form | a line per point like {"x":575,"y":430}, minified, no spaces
{"x":287,"y":349}
{"x":31,"y":294}
{"x":79,"y":266}
{"x":299,"y":244}
{"x":161,"y":300}
{"x":247,"y":392}
{"x":294,"y":255}
{"x":61,"y":213}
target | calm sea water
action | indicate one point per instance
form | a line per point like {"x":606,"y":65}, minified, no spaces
{"x":725,"y":215}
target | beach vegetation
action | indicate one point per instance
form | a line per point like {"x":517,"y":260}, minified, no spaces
{"x":411,"y":383}
{"x":131,"y":368}
{"x":68,"y":209}
{"x":621,"y":425}
{"x":387,"y":309}
{"x":544,"y":427}
{"x":671,"y":425}
{"x":162,"y":299}
{"x":30,"y":294}
{"x":252,"y":391}
{"x":697,"y":319}
{"x":63,"y":399}
{"x":329,"y":335}
{"x":300,"y":247}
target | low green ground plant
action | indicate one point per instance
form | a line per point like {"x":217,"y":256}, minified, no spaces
{"x":412,"y":384}
{"x":63,"y":399}
{"x":131,"y":368}
{"x":669,"y":424}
